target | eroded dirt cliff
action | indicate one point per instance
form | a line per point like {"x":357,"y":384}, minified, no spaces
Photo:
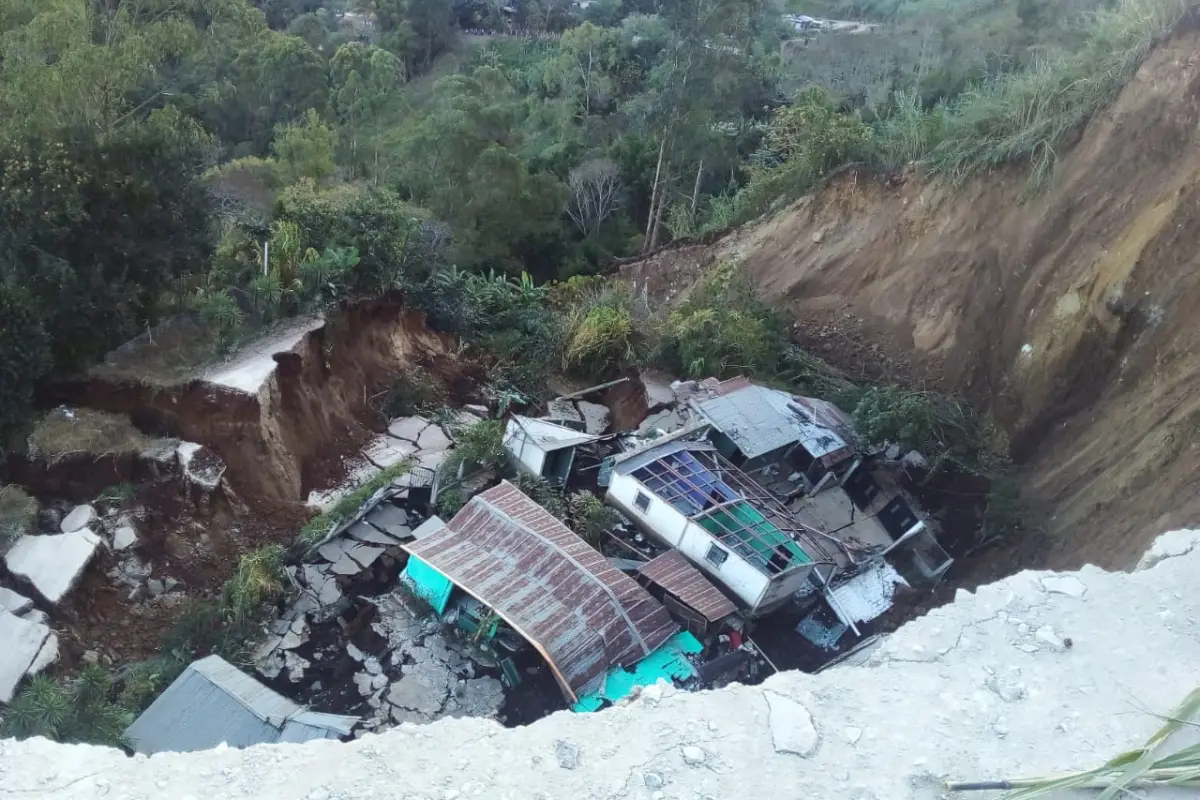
{"x":1069,"y":314}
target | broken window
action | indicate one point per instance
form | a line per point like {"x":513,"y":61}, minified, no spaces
{"x":715,"y":556}
{"x":642,"y":502}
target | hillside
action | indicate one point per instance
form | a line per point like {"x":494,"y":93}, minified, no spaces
{"x":1065,"y":314}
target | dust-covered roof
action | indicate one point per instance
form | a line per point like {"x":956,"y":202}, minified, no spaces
{"x":214,"y":702}
{"x":548,"y":436}
{"x":760,"y":420}
{"x":549,"y":585}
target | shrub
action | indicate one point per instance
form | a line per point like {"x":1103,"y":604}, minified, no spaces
{"x":1004,"y":514}
{"x":542,"y":492}
{"x":450,"y":502}
{"x":18,"y":515}
{"x":24,"y":356}
{"x":411,"y":392}
{"x":258,"y":579}
{"x":943,"y":429}
{"x":722,"y":329}
{"x":589,"y":517}
{"x":319,"y":526}
{"x":602,"y":334}
{"x":76,"y":710}
{"x":478,"y":445}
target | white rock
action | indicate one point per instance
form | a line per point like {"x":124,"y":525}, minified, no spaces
{"x":792,"y":728}
{"x":852,"y":735}
{"x":14,"y":603}
{"x":362,"y":682}
{"x":1064,"y":584}
{"x":692,"y":755}
{"x":408,"y":428}
{"x":155,"y":587}
{"x":355,"y":653}
{"x":295,"y":666}
{"x":371,"y":665}
{"x":200,"y":465}
{"x":80,"y":517}
{"x":124,"y":538}
{"x":23,"y":642}
{"x":52,"y":563}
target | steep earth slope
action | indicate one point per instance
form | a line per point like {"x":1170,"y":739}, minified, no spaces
{"x":1071,"y":315}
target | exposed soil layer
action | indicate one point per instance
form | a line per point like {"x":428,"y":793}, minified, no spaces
{"x":315,"y":407}
{"x":1065,"y":314}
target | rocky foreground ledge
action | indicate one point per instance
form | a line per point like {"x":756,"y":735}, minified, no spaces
{"x":1038,"y":674}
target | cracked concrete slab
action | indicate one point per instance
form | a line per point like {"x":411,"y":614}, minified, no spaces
{"x":893,"y":729}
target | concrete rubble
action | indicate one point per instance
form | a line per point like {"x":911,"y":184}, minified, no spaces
{"x":52,"y":563}
{"x":29,"y":647}
{"x":13,"y":602}
{"x":1132,"y":661}
{"x":80,"y":517}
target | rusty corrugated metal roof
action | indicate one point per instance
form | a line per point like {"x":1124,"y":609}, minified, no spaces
{"x":550,"y":585}
{"x":673,"y":572}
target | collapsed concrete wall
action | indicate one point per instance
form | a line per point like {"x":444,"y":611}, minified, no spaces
{"x":1038,"y":674}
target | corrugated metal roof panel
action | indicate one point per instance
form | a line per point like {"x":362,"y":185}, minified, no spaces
{"x":214,"y":702}
{"x":675,"y":573}
{"x":557,"y":590}
{"x":760,"y":420}
{"x":547,"y":435}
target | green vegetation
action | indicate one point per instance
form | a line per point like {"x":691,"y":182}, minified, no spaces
{"x":97,"y":705}
{"x":344,"y":509}
{"x":589,"y":517}
{"x":18,"y":515}
{"x":478,"y":446}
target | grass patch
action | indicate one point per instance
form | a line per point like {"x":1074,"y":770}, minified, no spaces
{"x":18,"y":515}
{"x":319,"y":526}
{"x":480,"y":445}
{"x":68,"y":432}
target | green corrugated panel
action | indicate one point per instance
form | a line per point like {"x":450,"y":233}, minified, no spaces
{"x":428,"y":583}
{"x":735,"y":517}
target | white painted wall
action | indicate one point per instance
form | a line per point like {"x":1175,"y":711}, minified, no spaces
{"x":524,"y":451}
{"x":672,"y":528}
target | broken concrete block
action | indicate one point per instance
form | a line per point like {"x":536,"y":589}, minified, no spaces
{"x":345,"y":566}
{"x":389,"y":518}
{"x":386,"y":451}
{"x":595,"y":417}
{"x":431,"y":460}
{"x":332,"y":551}
{"x":658,"y":390}
{"x":200,"y":465}
{"x":124,"y":538}
{"x":46,"y":656}
{"x":80,"y":517}
{"x":155,"y":587}
{"x":408,"y":428}
{"x":14,"y":603}
{"x":23,"y":643}
{"x":479,"y":411}
{"x":52,"y":563}
{"x":362,"y":532}
{"x":364,"y":554}
{"x":433,"y":440}
{"x":295,"y":666}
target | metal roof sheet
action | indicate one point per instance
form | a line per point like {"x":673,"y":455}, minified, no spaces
{"x":552,"y":587}
{"x":547,"y":435}
{"x":675,"y":573}
{"x":214,"y":702}
{"x":760,"y":420}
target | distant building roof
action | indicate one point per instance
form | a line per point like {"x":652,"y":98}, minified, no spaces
{"x":548,"y":436}
{"x":214,"y":702}
{"x":760,"y":420}
{"x":553,"y":588}
{"x":673,"y":572}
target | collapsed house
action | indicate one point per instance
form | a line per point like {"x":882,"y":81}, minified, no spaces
{"x":554,"y":590}
{"x":215,"y":703}
{"x":686,"y":494}
{"x":542,"y":448}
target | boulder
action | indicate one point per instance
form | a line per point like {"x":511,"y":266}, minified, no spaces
{"x":52,"y":563}
{"x":24,"y":642}
{"x":80,"y":517}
